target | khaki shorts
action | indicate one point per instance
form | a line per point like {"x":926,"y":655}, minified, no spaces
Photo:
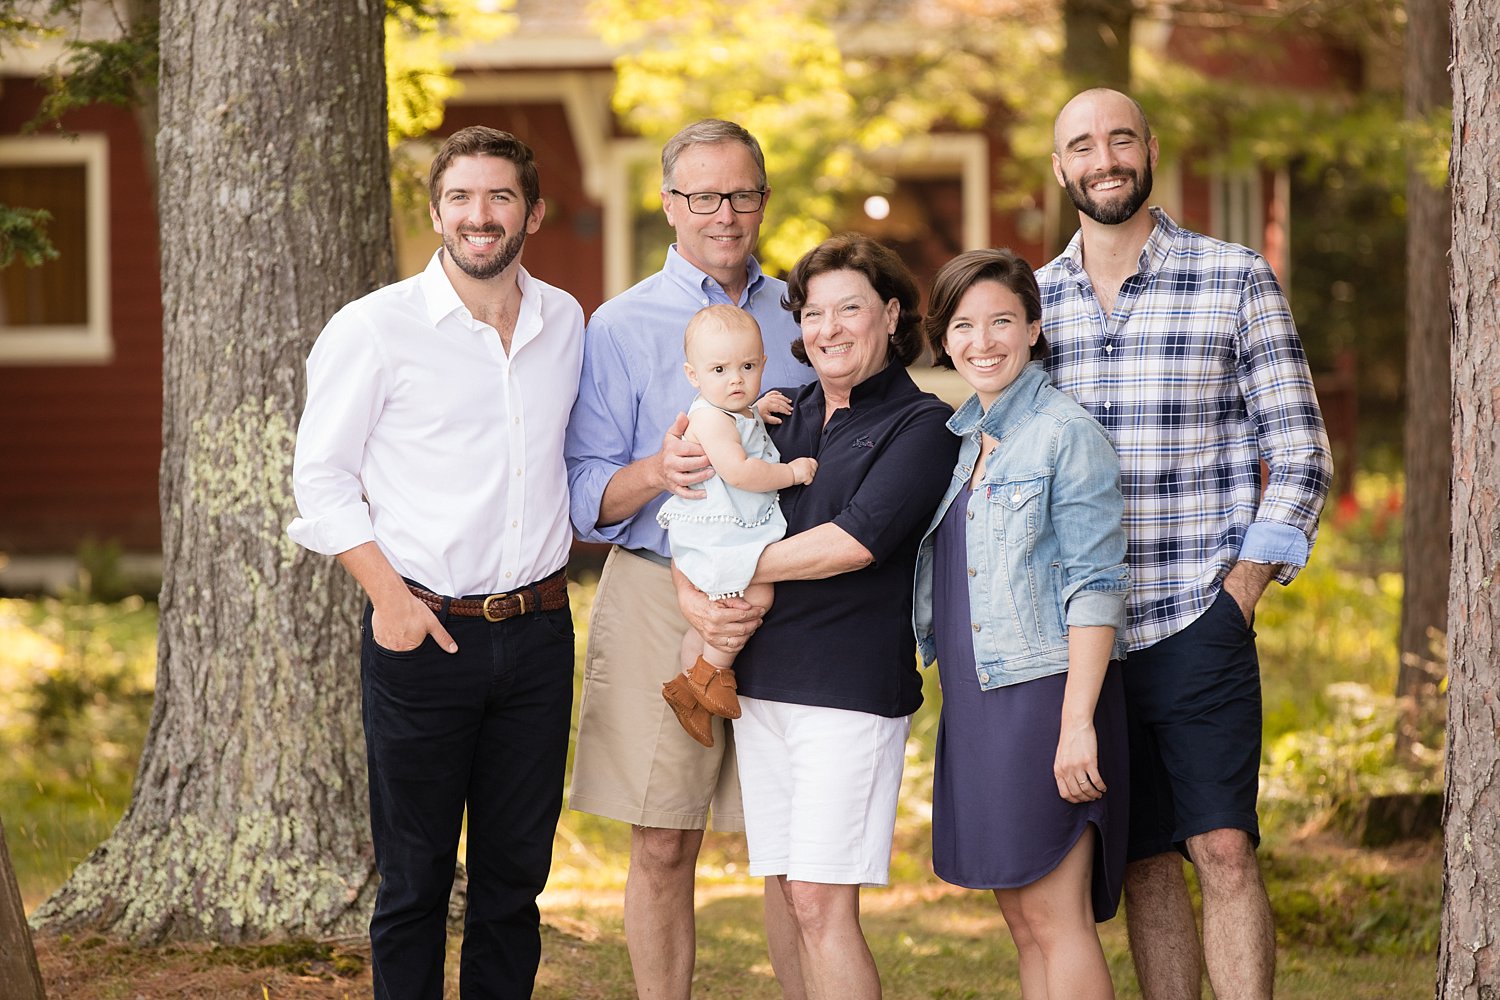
{"x":633,"y":761}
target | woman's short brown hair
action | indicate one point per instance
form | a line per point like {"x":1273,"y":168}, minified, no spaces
{"x":886,"y":274}
{"x":962,"y":273}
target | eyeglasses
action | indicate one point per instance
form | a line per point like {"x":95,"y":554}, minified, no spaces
{"x":708,"y":202}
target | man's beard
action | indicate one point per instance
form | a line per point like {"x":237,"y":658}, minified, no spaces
{"x":1117,"y":211}
{"x":510,"y":249}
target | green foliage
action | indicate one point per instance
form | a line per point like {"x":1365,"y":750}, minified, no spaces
{"x":831,"y":106}
{"x":420,"y":41}
{"x":1355,"y":904}
{"x":1338,"y":621}
{"x":1323,"y":774}
{"x":23,"y":234}
{"x":75,"y":694}
{"x":113,"y":71}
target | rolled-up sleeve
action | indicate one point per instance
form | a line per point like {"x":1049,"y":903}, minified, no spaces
{"x":345,"y":387}
{"x":601,"y":431}
{"x":1277,"y":385}
{"x":1087,"y":513}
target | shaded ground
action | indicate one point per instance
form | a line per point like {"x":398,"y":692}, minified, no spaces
{"x":932,"y":942}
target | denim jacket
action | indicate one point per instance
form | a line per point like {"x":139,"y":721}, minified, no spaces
{"x":1046,"y":546}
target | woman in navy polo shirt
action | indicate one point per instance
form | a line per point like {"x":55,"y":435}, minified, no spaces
{"x":1020,"y":595}
{"x":829,"y":682}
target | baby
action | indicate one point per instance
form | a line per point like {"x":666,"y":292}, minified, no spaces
{"x":716,"y":541}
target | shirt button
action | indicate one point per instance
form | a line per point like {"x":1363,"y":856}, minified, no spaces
{"x":984,"y":678}
{"x":1106,"y":404}
{"x":976,"y":626}
{"x":971,"y":515}
{"x":507,"y":574}
{"x":1015,"y":498}
{"x":1109,"y":348}
{"x":518,"y":420}
{"x":515,"y":524}
{"x":973,"y":571}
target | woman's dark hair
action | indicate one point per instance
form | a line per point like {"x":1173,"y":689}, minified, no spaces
{"x":881,"y":267}
{"x":962,"y":273}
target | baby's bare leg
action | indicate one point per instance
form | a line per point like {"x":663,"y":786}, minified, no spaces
{"x":762,"y":595}
{"x":692,"y":646}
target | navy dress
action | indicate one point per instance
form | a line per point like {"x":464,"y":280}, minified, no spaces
{"x":997,"y":820}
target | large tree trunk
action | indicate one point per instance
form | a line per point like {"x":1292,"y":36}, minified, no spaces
{"x":1469,"y":953}
{"x":1429,"y":428}
{"x":19,"y":971}
{"x":249,"y":818}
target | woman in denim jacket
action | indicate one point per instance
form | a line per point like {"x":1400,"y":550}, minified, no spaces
{"x":1020,"y":595}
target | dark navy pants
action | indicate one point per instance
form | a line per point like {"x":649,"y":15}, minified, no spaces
{"x":486,"y":728}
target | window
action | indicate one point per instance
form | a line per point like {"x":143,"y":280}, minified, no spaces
{"x":58,"y":312}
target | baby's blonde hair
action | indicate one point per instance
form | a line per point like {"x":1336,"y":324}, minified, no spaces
{"x":718,"y":317}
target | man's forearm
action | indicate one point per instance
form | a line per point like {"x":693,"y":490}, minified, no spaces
{"x":628,"y":490}
{"x":1246,"y":581}
{"x":374,"y":572}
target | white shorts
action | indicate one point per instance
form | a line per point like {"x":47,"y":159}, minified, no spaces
{"x":819,"y":787}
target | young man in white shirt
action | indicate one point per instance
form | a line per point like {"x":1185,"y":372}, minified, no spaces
{"x":429,"y":461}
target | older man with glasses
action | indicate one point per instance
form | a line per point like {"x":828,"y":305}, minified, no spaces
{"x":625,"y":454}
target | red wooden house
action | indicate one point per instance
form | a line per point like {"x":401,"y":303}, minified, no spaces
{"x":80,"y":338}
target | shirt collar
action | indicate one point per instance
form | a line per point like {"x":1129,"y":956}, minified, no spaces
{"x":1153,"y":254}
{"x":884,"y":384}
{"x":679,"y":270}
{"x":442,"y":300}
{"x":437,"y":291}
{"x":1006,"y":412}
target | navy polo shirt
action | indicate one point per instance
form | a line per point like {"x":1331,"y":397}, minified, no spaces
{"x":883,"y":465}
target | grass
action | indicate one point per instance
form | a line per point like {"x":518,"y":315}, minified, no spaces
{"x":75,"y":680}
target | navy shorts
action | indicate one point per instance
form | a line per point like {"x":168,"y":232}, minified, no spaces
{"x":1193,"y":711}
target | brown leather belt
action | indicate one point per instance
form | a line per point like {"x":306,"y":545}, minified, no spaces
{"x":548,"y":594}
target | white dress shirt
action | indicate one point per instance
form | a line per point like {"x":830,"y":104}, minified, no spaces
{"x":422,"y":435}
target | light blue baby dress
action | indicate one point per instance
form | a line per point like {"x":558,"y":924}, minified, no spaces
{"x":717,"y":541}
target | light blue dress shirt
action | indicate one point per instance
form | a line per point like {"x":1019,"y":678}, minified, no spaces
{"x":633,"y":385}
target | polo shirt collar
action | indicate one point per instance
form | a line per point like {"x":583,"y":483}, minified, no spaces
{"x":1153,"y":255}
{"x":880,"y":386}
{"x":698,"y":283}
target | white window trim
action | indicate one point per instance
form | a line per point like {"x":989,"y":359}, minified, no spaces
{"x":91,"y":342}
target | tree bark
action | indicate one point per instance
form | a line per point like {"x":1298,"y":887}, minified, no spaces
{"x":249,"y":817}
{"x":19,"y":971}
{"x":1428,"y":454}
{"x":1469,"y":952}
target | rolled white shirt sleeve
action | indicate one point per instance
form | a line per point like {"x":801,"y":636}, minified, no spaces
{"x":346,"y":384}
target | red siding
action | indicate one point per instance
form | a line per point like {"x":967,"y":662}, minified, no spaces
{"x":82,"y":443}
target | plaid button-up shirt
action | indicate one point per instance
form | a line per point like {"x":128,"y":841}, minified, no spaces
{"x":1197,"y":376}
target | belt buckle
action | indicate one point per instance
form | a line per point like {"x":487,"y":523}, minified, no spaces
{"x":496,"y":616}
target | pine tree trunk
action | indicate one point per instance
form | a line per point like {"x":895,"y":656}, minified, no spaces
{"x":1429,"y":427}
{"x":1469,"y":953}
{"x":249,"y":818}
{"x":19,"y":972}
